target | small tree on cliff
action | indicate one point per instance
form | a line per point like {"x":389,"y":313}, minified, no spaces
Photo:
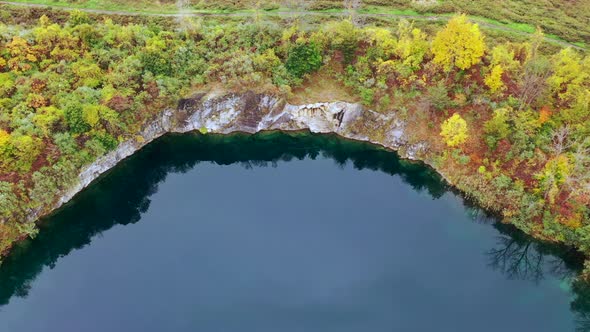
{"x":454,"y":130}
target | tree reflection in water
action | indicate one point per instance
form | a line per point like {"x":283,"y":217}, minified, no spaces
{"x":519,"y":256}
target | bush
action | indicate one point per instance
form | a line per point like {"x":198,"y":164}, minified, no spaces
{"x":438,"y":96}
{"x":303,"y":59}
{"x":75,"y":118}
{"x":106,"y":140}
{"x":367,"y":96}
{"x":66,"y":143}
{"x":497,"y":128}
{"x":344,"y":38}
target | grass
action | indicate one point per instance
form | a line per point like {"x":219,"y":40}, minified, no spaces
{"x":321,"y":87}
{"x":566,"y":19}
{"x":139,"y":7}
{"x":560,"y":24}
{"x":524,"y":27}
{"x":391,"y":11}
{"x":107,"y":5}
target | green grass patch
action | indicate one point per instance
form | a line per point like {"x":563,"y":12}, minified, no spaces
{"x":556,"y":29}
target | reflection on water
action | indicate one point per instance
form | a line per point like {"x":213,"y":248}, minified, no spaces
{"x":124,"y":194}
{"x":519,"y":256}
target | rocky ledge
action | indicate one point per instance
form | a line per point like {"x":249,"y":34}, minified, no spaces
{"x":252,"y":113}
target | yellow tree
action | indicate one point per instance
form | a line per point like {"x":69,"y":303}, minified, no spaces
{"x":503,"y":55}
{"x":460,"y":44}
{"x":554,"y":174}
{"x":4,"y":139}
{"x":25,"y":150}
{"x":382,"y":40}
{"x":571,"y":74}
{"x":46,"y":118}
{"x":494,"y":79}
{"x":411,"y":47}
{"x":454,"y":130}
{"x":21,"y":54}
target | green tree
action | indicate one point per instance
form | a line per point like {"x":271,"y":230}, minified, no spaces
{"x":497,"y":128}
{"x":66,"y":143}
{"x":536,"y":71}
{"x":6,"y":84}
{"x":343,"y":36}
{"x":437,"y":96}
{"x":303,"y":58}
{"x":75,"y":118}
{"x":88,"y":73}
{"x":47,"y":118}
{"x":154,"y":57}
{"x":9,"y":202}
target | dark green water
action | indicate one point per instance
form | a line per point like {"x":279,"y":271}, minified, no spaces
{"x":282,"y":233}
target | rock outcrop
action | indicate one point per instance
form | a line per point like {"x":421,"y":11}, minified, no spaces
{"x":252,"y":113}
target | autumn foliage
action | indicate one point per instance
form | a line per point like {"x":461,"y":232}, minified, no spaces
{"x":508,"y":124}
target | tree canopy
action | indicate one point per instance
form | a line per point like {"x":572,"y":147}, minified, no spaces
{"x":460,"y":44}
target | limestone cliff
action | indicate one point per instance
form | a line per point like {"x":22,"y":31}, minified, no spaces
{"x":252,"y":113}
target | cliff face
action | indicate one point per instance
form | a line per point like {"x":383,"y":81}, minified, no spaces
{"x":252,"y":113}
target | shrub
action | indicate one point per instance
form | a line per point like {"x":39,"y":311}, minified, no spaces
{"x":497,"y":128}
{"x":438,"y":96}
{"x":304,"y":58}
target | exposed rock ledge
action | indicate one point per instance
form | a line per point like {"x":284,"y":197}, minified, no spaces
{"x":252,"y":113}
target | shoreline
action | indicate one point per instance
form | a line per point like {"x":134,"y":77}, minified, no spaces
{"x":251,"y":113}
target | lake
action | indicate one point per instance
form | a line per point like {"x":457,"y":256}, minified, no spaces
{"x":283,"y":232}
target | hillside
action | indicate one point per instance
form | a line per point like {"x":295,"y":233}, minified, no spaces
{"x":563,"y":19}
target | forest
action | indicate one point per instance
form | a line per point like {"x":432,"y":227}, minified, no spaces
{"x":507,"y":122}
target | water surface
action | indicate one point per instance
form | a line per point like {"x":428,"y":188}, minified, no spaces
{"x":280,"y":232}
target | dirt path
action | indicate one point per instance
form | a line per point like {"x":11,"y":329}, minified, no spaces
{"x":293,"y":13}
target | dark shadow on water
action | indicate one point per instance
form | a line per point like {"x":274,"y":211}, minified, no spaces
{"x":122,"y":195}
{"x":519,"y":256}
